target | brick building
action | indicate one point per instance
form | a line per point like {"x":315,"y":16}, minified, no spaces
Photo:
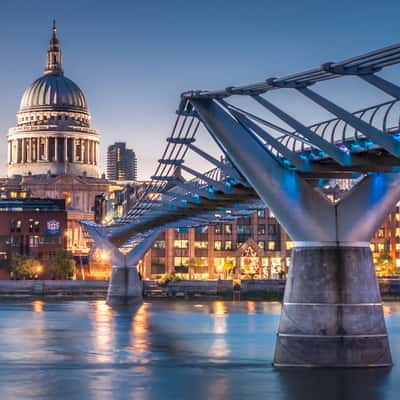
{"x":32,"y":227}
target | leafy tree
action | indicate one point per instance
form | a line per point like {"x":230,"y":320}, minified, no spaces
{"x":23,"y":267}
{"x":63,"y":264}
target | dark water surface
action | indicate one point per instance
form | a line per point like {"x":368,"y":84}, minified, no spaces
{"x":167,"y":350}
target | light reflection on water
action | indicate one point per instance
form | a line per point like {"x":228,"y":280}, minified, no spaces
{"x":167,"y":350}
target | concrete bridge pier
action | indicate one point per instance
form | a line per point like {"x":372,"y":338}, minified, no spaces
{"x":332,"y":313}
{"x":125,"y":286}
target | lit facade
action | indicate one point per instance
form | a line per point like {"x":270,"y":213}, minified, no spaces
{"x":256,"y":247}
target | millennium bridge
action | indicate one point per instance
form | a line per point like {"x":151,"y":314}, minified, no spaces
{"x":332,"y":312}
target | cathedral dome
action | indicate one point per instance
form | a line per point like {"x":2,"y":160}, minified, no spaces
{"x":55,"y":92}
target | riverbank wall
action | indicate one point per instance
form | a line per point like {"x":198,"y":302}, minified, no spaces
{"x":268,"y":289}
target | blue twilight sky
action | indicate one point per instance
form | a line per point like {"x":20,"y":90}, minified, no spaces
{"x":133,"y":58}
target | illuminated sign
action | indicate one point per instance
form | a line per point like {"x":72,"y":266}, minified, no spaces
{"x":53,"y":227}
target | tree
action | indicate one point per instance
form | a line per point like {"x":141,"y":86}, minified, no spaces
{"x":384,"y":265}
{"x":63,"y":264}
{"x":24,"y":267}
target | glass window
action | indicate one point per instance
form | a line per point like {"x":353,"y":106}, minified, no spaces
{"x":178,"y":261}
{"x":33,"y":241}
{"x":272,"y":229}
{"x":243,"y":229}
{"x":271,"y":245}
{"x":397,"y":246}
{"x":218,"y":245}
{"x":218,"y":229}
{"x":261,"y":229}
{"x":30,"y":225}
{"x":289,"y":245}
{"x":228,"y":229}
{"x":201,"y":244}
{"x":398,"y":232}
{"x":372,"y":246}
{"x":228,"y":245}
{"x":181,"y":244}
{"x":158,"y":260}
{"x":381,"y":232}
{"x":264,"y":261}
{"x":397,"y":217}
{"x":159,"y":244}
{"x":381,"y":247}
{"x":261,"y":244}
{"x":261,"y":213}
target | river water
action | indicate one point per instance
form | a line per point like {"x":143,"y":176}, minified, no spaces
{"x":167,"y":350}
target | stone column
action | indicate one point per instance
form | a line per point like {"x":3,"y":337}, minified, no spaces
{"x":46,"y":149}
{"x":81,"y":142}
{"x":65,"y":149}
{"x":29,"y":150}
{"x":73,"y":149}
{"x":38,"y":152}
{"x":55,"y":149}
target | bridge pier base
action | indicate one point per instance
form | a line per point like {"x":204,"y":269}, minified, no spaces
{"x":125,"y":287}
{"x":332,"y":314}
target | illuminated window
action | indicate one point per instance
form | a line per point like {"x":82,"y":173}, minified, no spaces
{"x":201,"y":245}
{"x":271,"y":245}
{"x":178,"y":261}
{"x":264,"y":261}
{"x":397,"y":246}
{"x":289,"y":245}
{"x":271,"y":214}
{"x":397,"y":217}
{"x":218,"y":229}
{"x":181,"y":244}
{"x":381,"y":247}
{"x":261,"y":244}
{"x":218,"y":245}
{"x":228,"y":245}
{"x":381,"y":233}
{"x":372,"y":246}
{"x":261,"y":229}
{"x":398,"y":232}
{"x":261,"y":213}
{"x":228,"y":229}
{"x":398,"y":262}
{"x":159,"y":244}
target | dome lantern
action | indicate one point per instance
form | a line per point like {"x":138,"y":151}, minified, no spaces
{"x":54,"y":54}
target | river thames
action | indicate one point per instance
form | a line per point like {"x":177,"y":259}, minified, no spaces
{"x":167,"y":350}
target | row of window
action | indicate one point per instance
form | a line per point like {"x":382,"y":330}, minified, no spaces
{"x":245,"y":229}
{"x":33,"y":225}
{"x":220,"y":245}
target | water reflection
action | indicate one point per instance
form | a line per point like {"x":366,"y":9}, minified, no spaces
{"x":333,"y":384}
{"x":167,"y":350}
{"x":37,"y":306}
{"x":139,"y":333}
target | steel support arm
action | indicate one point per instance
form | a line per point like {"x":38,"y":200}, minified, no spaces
{"x":388,"y":87}
{"x":298,"y":207}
